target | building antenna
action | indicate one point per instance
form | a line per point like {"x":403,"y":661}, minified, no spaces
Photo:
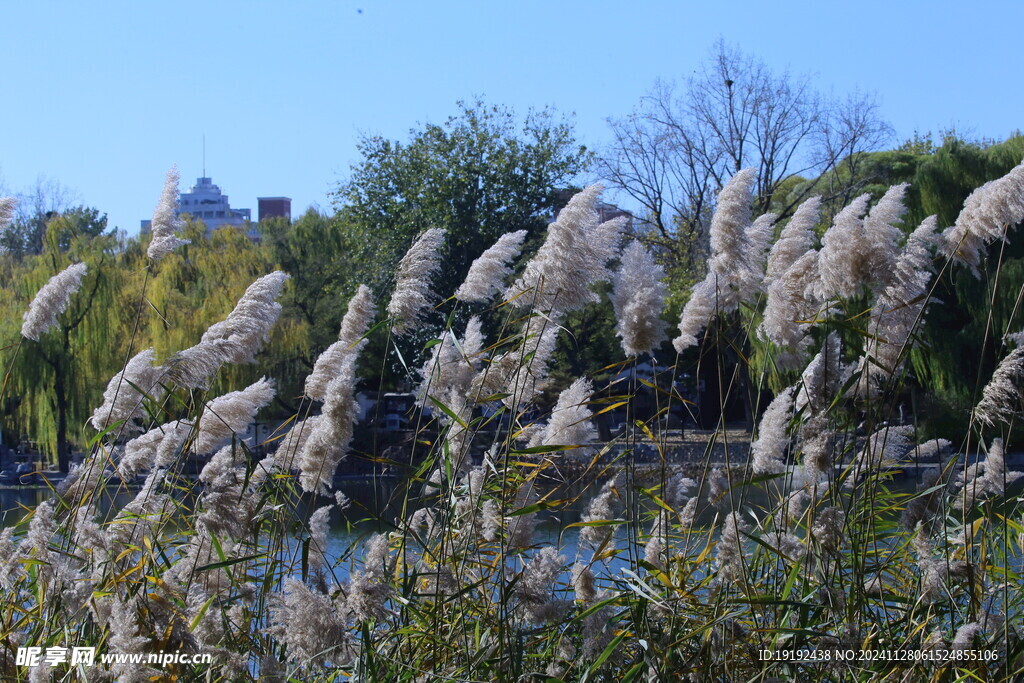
{"x":204,"y":155}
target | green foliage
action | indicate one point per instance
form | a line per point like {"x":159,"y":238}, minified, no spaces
{"x":56,"y":382}
{"x":193,"y":287}
{"x":690,"y":568}
{"x":480,"y":174}
{"x":953,"y":360}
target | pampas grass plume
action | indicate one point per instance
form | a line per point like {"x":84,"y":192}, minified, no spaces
{"x":487,"y":274}
{"x":165,"y":219}
{"x":638,"y":299}
{"x":52,"y":300}
{"x":122,"y":398}
{"x":574,"y":257}
{"x":231,"y":414}
{"x":354,"y":325}
{"x":986,"y":214}
{"x":412,"y":295}
{"x":7,"y":207}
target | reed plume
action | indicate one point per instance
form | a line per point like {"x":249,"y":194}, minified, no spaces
{"x":412,"y":296}
{"x":165,"y":221}
{"x":52,"y":300}
{"x":487,"y":274}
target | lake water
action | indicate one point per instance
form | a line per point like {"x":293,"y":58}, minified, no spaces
{"x":377,"y":501}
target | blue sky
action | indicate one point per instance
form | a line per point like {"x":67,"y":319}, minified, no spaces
{"x":103,"y":97}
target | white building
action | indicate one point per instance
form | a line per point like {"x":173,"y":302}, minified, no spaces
{"x":207,"y":203}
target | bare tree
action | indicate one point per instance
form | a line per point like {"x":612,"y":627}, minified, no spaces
{"x":36,"y":207}
{"x":678,"y":148}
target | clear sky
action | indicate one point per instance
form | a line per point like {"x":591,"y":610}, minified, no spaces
{"x":103,"y":97}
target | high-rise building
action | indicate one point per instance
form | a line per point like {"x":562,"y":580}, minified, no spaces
{"x":275,"y":207}
{"x":207,"y":203}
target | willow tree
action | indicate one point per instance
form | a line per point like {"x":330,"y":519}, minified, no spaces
{"x":197,"y":285}
{"x":55,"y":382}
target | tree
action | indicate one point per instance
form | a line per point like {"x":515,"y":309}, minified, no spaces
{"x":478,"y":175}
{"x":679,"y":147}
{"x":315,"y":252}
{"x":960,"y":340}
{"x":198,"y":284}
{"x":36,"y":208}
{"x":57,"y":378}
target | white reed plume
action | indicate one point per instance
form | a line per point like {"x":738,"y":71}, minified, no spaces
{"x":638,"y":299}
{"x":165,"y":219}
{"x":535,"y":588}
{"x":987,"y":213}
{"x":885,"y":448}
{"x":823,"y":376}
{"x":473,"y":341}
{"x":7,"y":207}
{"x":521,"y":372}
{"x":319,"y":526}
{"x":237,"y":338}
{"x":898,"y":308}
{"x":530,"y":372}
{"x":1001,"y":397}
{"x":698,"y":311}
{"x":370,"y":587}
{"x":827,"y":528}
{"x":654,"y":548}
{"x":845,"y":258}
{"x":729,"y":265}
{"x":83,"y":480}
{"x":292,"y":443}
{"x":448,"y":373}
{"x":138,"y":518}
{"x":601,"y":509}
{"x":718,"y":487}
{"x":459,"y":436}
{"x":520,"y":528}
{"x":882,"y":234}
{"x":758,"y":237}
{"x":570,"y":419}
{"x":729,"y":551}
{"x":413,"y":295}
{"x":122,"y":399}
{"x":769,"y":451}
{"x":786,"y":544}
{"x":309,"y":624}
{"x":795,"y":240}
{"x":438,"y":369}
{"x":155,"y":448}
{"x":584,"y":583}
{"x":329,"y":439}
{"x":229,"y":508}
{"x":90,"y":537}
{"x":52,"y":300}
{"x":250,"y":322}
{"x":729,"y":224}
{"x":230,"y":414}
{"x":964,"y":637}
{"x":678,"y":490}
{"x":791,"y":309}
{"x":487,"y":275}
{"x":816,"y":445}
{"x":354,"y":325}
{"x":448,"y":377}
{"x":220,"y":470}
{"x":794,"y":504}
{"x":10,"y":561}
{"x":987,"y":478}
{"x":574,"y":256}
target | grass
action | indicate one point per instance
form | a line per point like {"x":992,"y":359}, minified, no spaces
{"x":824,"y":568}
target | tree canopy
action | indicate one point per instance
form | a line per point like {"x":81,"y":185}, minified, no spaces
{"x":480,"y":174}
